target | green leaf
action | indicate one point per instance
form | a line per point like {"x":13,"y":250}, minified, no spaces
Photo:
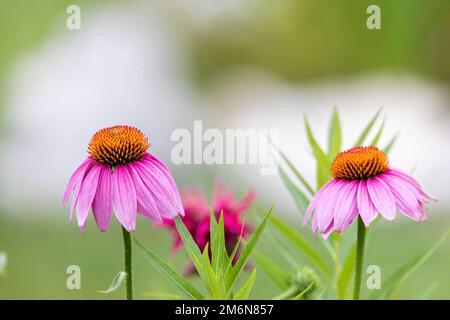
{"x":301,"y":294}
{"x":246,"y":252}
{"x":191,"y":247}
{"x":243,"y":293}
{"x":278,"y":275}
{"x":170,"y":273}
{"x":362,"y":137}
{"x":212,"y":225}
{"x":398,"y":277}
{"x":297,"y":239}
{"x":292,"y":168}
{"x":161,"y":295}
{"x":390,"y":144}
{"x":235,"y":250}
{"x":378,"y":135}
{"x":322,"y":161}
{"x":116,"y":282}
{"x":346,"y":273}
{"x":334,"y":135}
{"x":3,"y":263}
{"x":218,"y":246}
{"x":209,"y":278}
{"x":299,"y":197}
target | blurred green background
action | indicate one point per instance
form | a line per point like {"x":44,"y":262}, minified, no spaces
{"x":298,"y":42}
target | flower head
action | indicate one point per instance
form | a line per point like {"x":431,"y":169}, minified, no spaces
{"x":120,"y":174}
{"x":364,"y":184}
{"x":197,"y":217}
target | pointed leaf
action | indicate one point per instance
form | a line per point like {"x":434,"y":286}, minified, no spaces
{"x":170,"y":273}
{"x":116,"y":282}
{"x":378,"y":135}
{"x":278,"y":275}
{"x":299,"y":197}
{"x":298,"y":239}
{"x":243,"y":293}
{"x":322,"y":161}
{"x":398,"y":277}
{"x":246,"y":252}
{"x":334,"y":135}
{"x":189,"y":244}
{"x":346,"y":273}
{"x":208,"y":271}
{"x":390,"y":144}
{"x":362,"y":137}
{"x":218,"y":246}
{"x":301,"y":294}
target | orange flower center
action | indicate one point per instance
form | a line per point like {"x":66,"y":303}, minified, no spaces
{"x":359,"y":163}
{"x":118,"y":145}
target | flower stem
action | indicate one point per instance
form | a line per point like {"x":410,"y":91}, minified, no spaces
{"x":128,"y":263}
{"x":361,"y":237}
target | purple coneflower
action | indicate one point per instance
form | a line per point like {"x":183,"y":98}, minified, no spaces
{"x":119,"y":174}
{"x":364,"y":184}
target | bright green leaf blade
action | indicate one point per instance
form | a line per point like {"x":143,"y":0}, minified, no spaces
{"x":378,"y":134}
{"x":189,"y":244}
{"x":212,"y":225}
{"x":161,"y":295}
{"x":116,"y":282}
{"x":292,"y":168}
{"x":323,"y":163}
{"x":398,"y":277}
{"x":362,"y":137}
{"x":334,"y":135}
{"x":299,"y":197}
{"x":218,"y":246}
{"x":3,"y":262}
{"x":235,"y":250}
{"x":346,"y":273}
{"x":170,"y":273}
{"x":297,"y":239}
{"x":243,"y":293}
{"x":301,"y":294}
{"x":246,"y":252}
{"x":390,"y":144}
{"x":209,"y":276}
{"x":278,"y":275}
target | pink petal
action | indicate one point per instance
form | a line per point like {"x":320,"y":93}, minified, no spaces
{"x":124,"y":196}
{"x":87,"y":194}
{"x":76,"y":177}
{"x":345,"y":206}
{"x":325,"y":208}
{"x":160,"y":189}
{"x":145,"y":203}
{"x":315,"y":201}
{"x":102,"y":204}
{"x":366,"y":208}
{"x":406,"y":196}
{"x":411,"y":181}
{"x":382,"y":197}
{"x":162,"y":168}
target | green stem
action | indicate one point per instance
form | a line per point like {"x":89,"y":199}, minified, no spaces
{"x":361,"y":237}
{"x":128,"y":263}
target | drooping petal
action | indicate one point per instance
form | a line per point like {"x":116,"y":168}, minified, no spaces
{"x":325,"y":208}
{"x":345,"y":206}
{"x":411,"y":181}
{"x":366,"y":208}
{"x":382,"y":197}
{"x":407,"y":199}
{"x":315,"y":201}
{"x":160,"y":167}
{"x":102,"y":204}
{"x":145,"y":202}
{"x":87,"y":194}
{"x":76,"y":177}
{"x":124,"y":197}
{"x":160,"y":189}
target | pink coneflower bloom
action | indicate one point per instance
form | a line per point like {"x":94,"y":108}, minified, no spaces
{"x":197,"y":217}
{"x":120,"y":174}
{"x":364,"y":184}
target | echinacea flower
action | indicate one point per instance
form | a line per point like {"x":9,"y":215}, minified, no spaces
{"x":197,"y":217}
{"x":364,"y":184}
{"x":119,"y":174}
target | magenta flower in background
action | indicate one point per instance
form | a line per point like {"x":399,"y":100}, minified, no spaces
{"x":197,"y":217}
{"x":119,"y":174}
{"x":364,"y":184}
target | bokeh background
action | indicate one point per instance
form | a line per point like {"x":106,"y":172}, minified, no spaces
{"x":160,"y":65}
